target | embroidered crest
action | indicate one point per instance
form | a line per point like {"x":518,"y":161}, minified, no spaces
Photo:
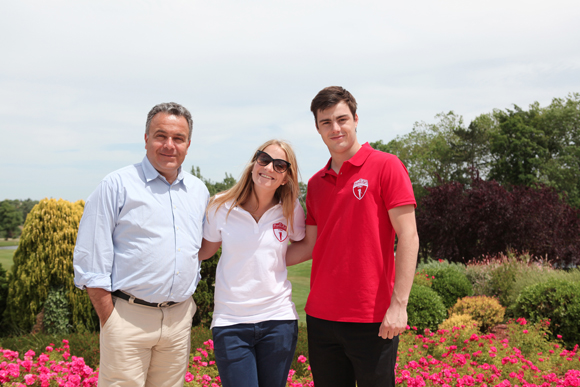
{"x":280,"y":231}
{"x":359,"y":188}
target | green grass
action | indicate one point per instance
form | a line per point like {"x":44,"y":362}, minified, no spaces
{"x":12,"y":242}
{"x":6,"y":258}
{"x":299,"y":276}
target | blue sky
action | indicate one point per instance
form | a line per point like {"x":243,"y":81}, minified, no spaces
{"x":78,"y":78}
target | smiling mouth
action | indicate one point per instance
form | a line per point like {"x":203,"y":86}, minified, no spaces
{"x":265,"y":176}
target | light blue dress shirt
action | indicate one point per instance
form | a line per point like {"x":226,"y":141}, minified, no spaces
{"x":141,"y":235}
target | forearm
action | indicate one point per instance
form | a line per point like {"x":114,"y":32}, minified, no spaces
{"x":301,"y":251}
{"x":102,"y":302}
{"x":405,"y":264}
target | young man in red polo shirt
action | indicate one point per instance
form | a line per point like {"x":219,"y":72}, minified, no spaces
{"x":358,"y":297}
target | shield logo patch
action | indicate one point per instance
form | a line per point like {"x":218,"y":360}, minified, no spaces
{"x":280,"y":231}
{"x":359,"y":188}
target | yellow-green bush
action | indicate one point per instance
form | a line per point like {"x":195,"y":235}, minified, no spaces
{"x":43,"y":261}
{"x":423,"y":279}
{"x":459,"y":321}
{"x":487,"y":311}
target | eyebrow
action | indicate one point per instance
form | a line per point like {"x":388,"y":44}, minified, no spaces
{"x":328,"y":119}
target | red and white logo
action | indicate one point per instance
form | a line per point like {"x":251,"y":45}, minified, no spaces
{"x":280,"y":231}
{"x":359,"y":188}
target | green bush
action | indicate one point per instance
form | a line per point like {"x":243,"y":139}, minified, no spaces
{"x":425,"y":308}
{"x":487,"y":311}
{"x":44,"y":260}
{"x":450,"y":283}
{"x":556,"y":301}
{"x":3,"y":295}
{"x":423,"y":279}
{"x":56,"y":312}
{"x":204,"y":292}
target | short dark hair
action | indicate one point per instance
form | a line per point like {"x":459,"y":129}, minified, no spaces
{"x":332,"y":96}
{"x":170,"y":108}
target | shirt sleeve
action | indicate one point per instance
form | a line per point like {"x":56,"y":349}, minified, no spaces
{"x":211,"y":232}
{"x":298,"y":227}
{"x":396,"y":187}
{"x":94,"y":252}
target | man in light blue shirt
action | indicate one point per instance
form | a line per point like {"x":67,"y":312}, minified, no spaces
{"x":136,"y":254}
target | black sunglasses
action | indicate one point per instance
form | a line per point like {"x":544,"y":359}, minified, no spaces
{"x":264,"y":159}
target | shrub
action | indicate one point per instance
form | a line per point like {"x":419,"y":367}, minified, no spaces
{"x":423,"y":279}
{"x":460,"y":222}
{"x":487,"y":311}
{"x":425,"y":308}
{"x":3,"y":295}
{"x":459,"y":321}
{"x":450,"y":282}
{"x":204,"y":292}
{"x":43,"y":261}
{"x":556,"y":301}
{"x":56,"y":312}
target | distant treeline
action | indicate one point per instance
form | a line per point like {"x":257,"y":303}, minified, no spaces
{"x":12,"y":215}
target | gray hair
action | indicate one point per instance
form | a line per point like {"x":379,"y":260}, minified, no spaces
{"x":170,"y":108}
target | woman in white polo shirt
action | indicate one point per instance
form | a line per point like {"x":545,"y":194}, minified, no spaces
{"x":254,"y":322}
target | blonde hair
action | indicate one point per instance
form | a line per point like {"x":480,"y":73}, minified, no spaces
{"x":240,"y":193}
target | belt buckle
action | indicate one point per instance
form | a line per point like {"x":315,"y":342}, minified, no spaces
{"x":162,"y":304}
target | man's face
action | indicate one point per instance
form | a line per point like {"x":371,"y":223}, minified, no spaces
{"x":167,"y":143}
{"x":337,"y":127}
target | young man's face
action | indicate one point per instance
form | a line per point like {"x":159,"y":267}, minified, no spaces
{"x":337,"y":127}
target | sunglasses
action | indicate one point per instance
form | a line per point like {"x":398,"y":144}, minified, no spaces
{"x":263,"y":159}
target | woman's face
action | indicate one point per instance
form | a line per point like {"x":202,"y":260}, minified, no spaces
{"x":265,"y":177}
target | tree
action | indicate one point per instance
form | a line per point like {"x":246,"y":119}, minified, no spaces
{"x":10,"y":219}
{"x":43,"y":262}
{"x":459,"y":222}
{"x":438,"y":153}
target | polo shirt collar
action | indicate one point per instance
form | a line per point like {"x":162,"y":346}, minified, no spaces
{"x":357,"y":160}
{"x":151,"y":173}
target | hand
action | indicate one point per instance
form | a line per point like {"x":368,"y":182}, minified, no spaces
{"x":105,"y":314}
{"x":394,"y":322}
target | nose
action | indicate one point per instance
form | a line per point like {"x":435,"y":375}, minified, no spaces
{"x":169,"y":143}
{"x":335,"y":126}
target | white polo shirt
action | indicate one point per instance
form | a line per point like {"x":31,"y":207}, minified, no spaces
{"x":251,"y":277}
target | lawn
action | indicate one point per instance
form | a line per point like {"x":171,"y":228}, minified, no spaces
{"x":6,"y":258}
{"x":299,"y":275}
{"x":11,"y":242}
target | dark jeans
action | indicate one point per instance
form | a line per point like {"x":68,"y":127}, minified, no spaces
{"x":252,"y":355}
{"x":344,"y":353}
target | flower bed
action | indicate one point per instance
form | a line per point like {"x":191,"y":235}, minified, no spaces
{"x":457,"y":357}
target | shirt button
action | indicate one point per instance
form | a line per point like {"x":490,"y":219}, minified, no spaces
{"x":177,"y":228}
{"x":177,"y":273}
{"x":178,"y":249}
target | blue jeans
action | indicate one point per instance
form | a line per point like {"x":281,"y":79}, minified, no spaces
{"x":252,"y":355}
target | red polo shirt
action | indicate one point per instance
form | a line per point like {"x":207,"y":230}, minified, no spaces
{"x":353,"y":266}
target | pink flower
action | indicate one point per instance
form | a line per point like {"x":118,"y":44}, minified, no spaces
{"x":301,"y":359}
{"x":29,"y":379}
{"x":188,"y":377}
{"x":525,"y":331}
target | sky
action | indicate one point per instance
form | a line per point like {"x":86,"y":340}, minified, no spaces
{"x":77,"y":78}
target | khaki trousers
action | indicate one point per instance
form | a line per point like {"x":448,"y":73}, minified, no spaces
{"x":145,"y":346}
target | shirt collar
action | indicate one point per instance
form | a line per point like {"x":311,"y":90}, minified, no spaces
{"x":357,"y":160}
{"x":151,"y":173}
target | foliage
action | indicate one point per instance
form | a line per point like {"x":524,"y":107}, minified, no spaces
{"x":513,"y":147}
{"x":434,"y":153}
{"x":56,"y":312}
{"x":461,"y":321}
{"x":3,"y":295}
{"x":423,"y":279}
{"x":43,"y":261}
{"x":556,"y":301}
{"x":425,"y":308}
{"x":450,"y":283}
{"x":10,"y":218}
{"x":214,"y":187}
{"x":460,"y":222}
{"x":487,"y":311}
{"x":204,"y":292}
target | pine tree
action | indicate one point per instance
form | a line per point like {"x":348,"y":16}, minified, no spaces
{"x":44,"y":261}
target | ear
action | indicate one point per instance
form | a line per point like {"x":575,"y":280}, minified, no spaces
{"x":145,"y":140}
